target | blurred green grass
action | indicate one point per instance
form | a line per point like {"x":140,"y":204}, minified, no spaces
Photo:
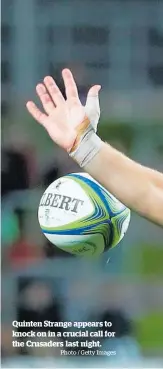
{"x":149,"y":331}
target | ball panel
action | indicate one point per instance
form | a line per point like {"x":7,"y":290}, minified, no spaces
{"x":115,"y":205}
{"x":61,"y":206}
{"x":92,"y":245}
{"x":120,"y":225}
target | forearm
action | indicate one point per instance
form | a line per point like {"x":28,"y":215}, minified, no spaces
{"x":138,"y":187}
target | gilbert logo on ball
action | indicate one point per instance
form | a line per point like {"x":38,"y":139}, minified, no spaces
{"x":81,"y":217}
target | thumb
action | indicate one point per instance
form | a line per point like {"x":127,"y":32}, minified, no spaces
{"x":94,"y":90}
{"x":92,"y":106}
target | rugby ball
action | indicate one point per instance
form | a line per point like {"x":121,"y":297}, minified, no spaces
{"x":81,"y":217}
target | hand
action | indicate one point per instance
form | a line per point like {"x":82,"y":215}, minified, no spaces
{"x":62,"y":117}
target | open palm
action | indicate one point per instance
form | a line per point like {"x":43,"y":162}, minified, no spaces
{"x":62,"y":117}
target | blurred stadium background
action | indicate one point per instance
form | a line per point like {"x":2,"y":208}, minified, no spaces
{"x":118,"y":44}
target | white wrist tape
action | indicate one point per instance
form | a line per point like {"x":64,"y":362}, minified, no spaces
{"x":86,"y":145}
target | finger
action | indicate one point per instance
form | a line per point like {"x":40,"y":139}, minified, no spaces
{"x":45,"y":98}
{"x":92,"y":106}
{"x":70,"y":85}
{"x":94,"y":91}
{"x":36,"y":113}
{"x":92,"y":102}
{"x":54,"y":91}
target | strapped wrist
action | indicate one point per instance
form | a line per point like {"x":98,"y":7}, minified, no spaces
{"x":86,"y":145}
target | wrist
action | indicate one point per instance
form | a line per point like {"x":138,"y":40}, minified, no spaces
{"x":86,"y":145}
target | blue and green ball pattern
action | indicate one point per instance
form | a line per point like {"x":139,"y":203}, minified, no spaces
{"x":106,"y":219}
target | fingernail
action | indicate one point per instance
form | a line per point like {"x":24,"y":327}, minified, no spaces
{"x":48,"y":79}
{"x":66,"y":71}
{"x":40,"y":88}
